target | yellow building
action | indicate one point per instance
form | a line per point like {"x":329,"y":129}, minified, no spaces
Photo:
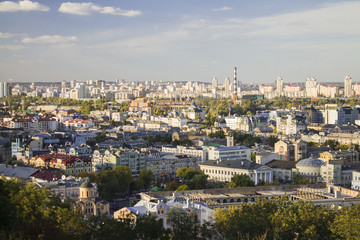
{"x":140,"y":105}
{"x":89,"y":203}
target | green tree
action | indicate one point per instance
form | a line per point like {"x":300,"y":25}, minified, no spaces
{"x":346,"y":223}
{"x":240,"y":181}
{"x":249,"y":221}
{"x":114,"y":182}
{"x":144,"y":179}
{"x":300,"y":180}
{"x":103,"y":227}
{"x":199,"y":181}
{"x":217,"y":134}
{"x":172,"y":186}
{"x":312,"y":144}
{"x":331,"y":143}
{"x":183,"y":187}
{"x":301,"y":220}
{"x":194,"y":179}
{"x":148,"y":227}
{"x":272,"y":139}
{"x":184,"y":225}
{"x":253,"y":157}
{"x":249,"y":113}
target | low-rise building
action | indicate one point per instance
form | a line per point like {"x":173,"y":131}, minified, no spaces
{"x":160,"y":210}
{"x":355,"y":183}
{"x":90,"y":203}
{"x":291,"y":150}
{"x":32,"y":123}
{"x":167,"y":164}
{"x":310,"y":168}
{"x":136,"y":160}
{"x":223,"y":171}
{"x":282,"y":170}
{"x":194,"y":112}
{"x":67,"y":163}
{"x":229,"y":153}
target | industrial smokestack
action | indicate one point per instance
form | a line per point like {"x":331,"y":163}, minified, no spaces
{"x":235,"y":85}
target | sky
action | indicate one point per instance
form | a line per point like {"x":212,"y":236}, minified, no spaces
{"x":168,"y":40}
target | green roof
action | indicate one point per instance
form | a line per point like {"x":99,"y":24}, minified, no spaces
{"x":210,"y":144}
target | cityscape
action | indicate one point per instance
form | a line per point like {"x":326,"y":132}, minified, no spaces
{"x":102,"y":143}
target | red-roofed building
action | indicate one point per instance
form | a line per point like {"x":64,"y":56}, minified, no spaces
{"x":69,"y":164}
{"x":73,"y":124}
{"x":34,"y":123}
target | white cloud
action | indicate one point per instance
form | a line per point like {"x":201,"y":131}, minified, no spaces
{"x":6,"y":35}
{"x":26,"y":5}
{"x":337,"y":23}
{"x":89,"y":8}
{"x":12,"y":47}
{"x":225,"y":8}
{"x":340,"y":18}
{"x":53,"y":39}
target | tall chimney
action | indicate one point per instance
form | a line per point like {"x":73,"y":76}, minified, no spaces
{"x":235,"y":85}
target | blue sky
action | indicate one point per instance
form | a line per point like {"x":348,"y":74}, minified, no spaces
{"x":141,"y":40}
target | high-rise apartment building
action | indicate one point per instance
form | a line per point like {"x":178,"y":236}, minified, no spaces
{"x":1,"y":90}
{"x":227,"y":84}
{"x":347,"y":86}
{"x":4,"y":89}
{"x":279,"y":84}
{"x":311,"y":87}
{"x":214,"y":83}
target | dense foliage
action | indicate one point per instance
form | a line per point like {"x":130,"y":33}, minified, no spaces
{"x":283,"y":219}
{"x":245,"y":139}
{"x":192,"y":179}
{"x":240,"y":181}
{"x":112,"y":183}
{"x":30,"y":213}
{"x":27,"y":212}
{"x":182,"y":141}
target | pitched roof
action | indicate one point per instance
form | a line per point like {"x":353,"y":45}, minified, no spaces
{"x":282,"y":164}
{"x":16,"y":171}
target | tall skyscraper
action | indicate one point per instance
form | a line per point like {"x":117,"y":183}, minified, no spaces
{"x":279,"y":84}
{"x":311,"y":87}
{"x":6,"y":89}
{"x":1,"y":90}
{"x":227,"y":84}
{"x":214,"y":83}
{"x":347,"y":86}
{"x":82,"y":91}
{"x":73,"y":84}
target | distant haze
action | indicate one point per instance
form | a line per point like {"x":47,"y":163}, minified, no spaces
{"x":51,"y":41}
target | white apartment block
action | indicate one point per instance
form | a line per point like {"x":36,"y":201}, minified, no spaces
{"x":223,"y":171}
{"x":34,"y":123}
{"x":229,"y":153}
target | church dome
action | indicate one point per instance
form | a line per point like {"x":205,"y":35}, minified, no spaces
{"x":310,"y":162}
{"x":86,"y":185}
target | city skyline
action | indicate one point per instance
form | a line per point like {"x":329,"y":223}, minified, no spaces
{"x":149,"y":40}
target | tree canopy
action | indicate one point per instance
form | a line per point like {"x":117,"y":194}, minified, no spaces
{"x":240,"y":181}
{"x":194,"y":179}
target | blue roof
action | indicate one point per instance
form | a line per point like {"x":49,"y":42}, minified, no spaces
{"x":231,"y":148}
{"x":310,"y":162}
{"x":141,"y":210}
{"x":16,"y":171}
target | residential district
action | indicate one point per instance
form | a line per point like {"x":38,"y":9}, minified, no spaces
{"x":126,"y":150}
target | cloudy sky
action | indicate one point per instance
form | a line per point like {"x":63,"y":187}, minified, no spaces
{"x":186,"y":40}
